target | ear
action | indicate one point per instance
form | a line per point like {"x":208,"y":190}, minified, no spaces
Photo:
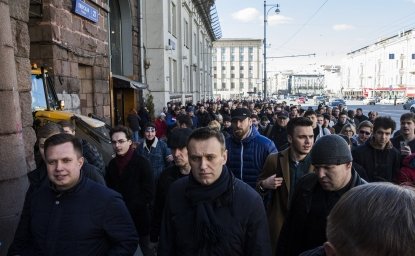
{"x":81,"y":161}
{"x":329,"y":249}
{"x":290,"y":139}
{"x":225,"y":156}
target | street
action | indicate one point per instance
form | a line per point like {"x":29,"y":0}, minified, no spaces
{"x":384,"y":110}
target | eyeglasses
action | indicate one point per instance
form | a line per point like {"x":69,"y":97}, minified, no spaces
{"x":348,"y":131}
{"x":150,"y":129}
{"x":364,"y":132}
{"x":115,"y":142}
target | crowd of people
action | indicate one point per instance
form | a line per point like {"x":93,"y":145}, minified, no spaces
{"x":226,"y":178}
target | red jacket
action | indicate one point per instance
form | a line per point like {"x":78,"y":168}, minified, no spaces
{"x":406,"y":175}
{"x":161,"y":128}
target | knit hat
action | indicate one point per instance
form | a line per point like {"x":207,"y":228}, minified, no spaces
{"x":331,"y":149}
{"x":178,"y":137}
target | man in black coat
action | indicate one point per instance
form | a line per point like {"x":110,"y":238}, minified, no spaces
{"x":72,"y":215}
{"x":131,"y":175}
{"x":210,"y":212}
{"x":378,"y":156}
{"x":316,"y":194}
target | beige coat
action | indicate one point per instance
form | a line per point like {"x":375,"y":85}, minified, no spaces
{"x":278,"y":205}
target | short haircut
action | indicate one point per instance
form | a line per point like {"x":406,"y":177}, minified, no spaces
{"x":121,"y":128}
{"x":48,"y":129}
{"x":205,"y":133}
{"x":254,"y":116}
{"x":365,"y":123}
{"x":185,"y":119}
{"x":373,"y":219}
{"x":384,"y":122}
{"x":62,"y":138}
{"x":65,"y":123}
{"x":359,"y":109}
{"x":310,"y":113}
{"x":298,"y":121}
{"x":343,"y":113}
{"x":408,"y":116}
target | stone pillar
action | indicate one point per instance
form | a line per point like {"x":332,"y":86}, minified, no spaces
{"x":16,"y":134}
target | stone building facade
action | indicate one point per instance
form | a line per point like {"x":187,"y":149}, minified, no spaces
{"x":16,"y":134}
{"x":76,"y":52}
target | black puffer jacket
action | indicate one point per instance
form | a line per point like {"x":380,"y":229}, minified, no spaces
{"x":93,"y":156}
{"x":380,"y":165}
{"x":305,"y":225}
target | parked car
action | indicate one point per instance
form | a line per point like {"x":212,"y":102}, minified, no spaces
{"x":301,"y":100}
{"x":408,"y":104}
{"x":369,"y":101}
{"x":337,"y":102}
{"x":319,"y":100}
{"x":392,"y":101}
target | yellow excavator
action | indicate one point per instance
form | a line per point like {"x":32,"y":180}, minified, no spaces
{"x":46,"y":107}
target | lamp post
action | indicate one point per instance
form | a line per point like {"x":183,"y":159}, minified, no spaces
{"x":277,"y":10}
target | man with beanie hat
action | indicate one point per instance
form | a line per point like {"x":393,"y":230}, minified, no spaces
{"x":316,"y":194}
{"x":177,"y":141}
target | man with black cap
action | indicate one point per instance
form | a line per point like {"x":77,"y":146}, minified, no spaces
{"x":177,"y":142}
{"x":191,"y":112}
{"x":277,"y":132}
{"x":316,"y":194}
{"x":247,"y":149}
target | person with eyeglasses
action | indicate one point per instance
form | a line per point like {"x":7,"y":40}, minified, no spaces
{"x":364,"y":130}
{"x":155,"y":150}
{"x":131,"y":175}
{"x":349,"y":131}
{"x":378,"y":156}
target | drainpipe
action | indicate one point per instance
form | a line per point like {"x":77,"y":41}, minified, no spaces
{"x":141,"y":45}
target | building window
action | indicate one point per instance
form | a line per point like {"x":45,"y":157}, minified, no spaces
{"x":413,"y":56}
{"x":223,"y":57}
{"x":215,"y":85}
{"x":173,"y":19}
{"x":215,"y":76}
{"x":241,"y":75}
{"x":232,"y":49}
{"x":241,"y":68}
{"x":232,"y":75}
{"x":232,"y":57}
{"x":186,"y":33}
{"x":223,"y":85}
{"x":223,"y":68}
{"x":232,"y":85}
{"x":241,"y":86}
{"x":251,"y":68}
{"x":223,"y":50}
{"x":251,"y":58}
{"x":391,"y":56}
{"x":241,"y":50}
{"x":251,"y":86}
{"x":215,"y":68}
{"x":251,"y":50}
{"x":232,"y":67}
{"x":241,"y":58}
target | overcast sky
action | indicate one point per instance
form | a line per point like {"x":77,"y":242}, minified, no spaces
{"x":328,"y":28}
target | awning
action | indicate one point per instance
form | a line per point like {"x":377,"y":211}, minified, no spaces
{"x":123,"y":82}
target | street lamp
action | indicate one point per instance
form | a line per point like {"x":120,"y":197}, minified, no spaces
{"x":266,"y":11}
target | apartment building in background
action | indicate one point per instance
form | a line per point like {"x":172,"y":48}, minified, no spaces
{"x":237,"y":65}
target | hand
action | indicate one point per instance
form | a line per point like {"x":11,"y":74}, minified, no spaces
{"x":406,"y":151}
{"x":169,"y":158}
{"x":272,"y":182}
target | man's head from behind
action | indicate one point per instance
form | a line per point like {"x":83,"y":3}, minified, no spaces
{"x":332,"y":160}
{"x":45,"y":132}
{"x":67,"y":126}
{"x":300,"y":135}
{"x":177,"y":142}
{"x":373,"y":219}
{"x":63,"y":157}
{"x":207,"y":154}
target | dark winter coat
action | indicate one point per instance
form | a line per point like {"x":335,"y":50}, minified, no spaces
{"x":243,"y":222}
{"x":136,"y":186}
{"x":204,"y":118}
{"x":247,"y":157}
{"x":305,"y":225}
{"x":93,"y":156}
{"x":168,"y":176}
{"x":88,"y":219}
{"x":380,"y":165}
{"x":278,"y":135}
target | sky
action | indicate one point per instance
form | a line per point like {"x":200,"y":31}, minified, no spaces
{"x":328,"y":28}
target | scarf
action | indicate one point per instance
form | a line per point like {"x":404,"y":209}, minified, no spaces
{"x":122,"y":161}
{"x":209,"y":233}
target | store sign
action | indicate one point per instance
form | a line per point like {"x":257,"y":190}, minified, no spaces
{"x":85,"y":10}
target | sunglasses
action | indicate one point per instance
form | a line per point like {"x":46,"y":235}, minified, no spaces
{"x":364,"y":132}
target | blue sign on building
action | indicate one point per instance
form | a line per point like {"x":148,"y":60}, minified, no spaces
{"x":85,"y":10}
